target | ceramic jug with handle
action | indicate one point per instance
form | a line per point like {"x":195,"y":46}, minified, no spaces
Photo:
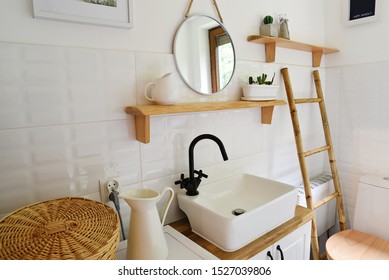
{"x":163,"y":91}
{"x":146,"y":239}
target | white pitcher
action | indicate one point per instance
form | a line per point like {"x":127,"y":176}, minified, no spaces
{"x":146,"y":239}
{"x":163,"y":90}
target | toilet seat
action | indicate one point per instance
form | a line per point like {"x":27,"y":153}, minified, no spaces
{"x":356,"y":245}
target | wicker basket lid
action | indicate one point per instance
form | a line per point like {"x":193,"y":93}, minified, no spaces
{"x":64,"y":228}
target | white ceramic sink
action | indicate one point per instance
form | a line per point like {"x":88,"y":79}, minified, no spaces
{"x":266,"y":203}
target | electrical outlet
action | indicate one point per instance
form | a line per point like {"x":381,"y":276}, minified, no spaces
{"x":107,"y":186}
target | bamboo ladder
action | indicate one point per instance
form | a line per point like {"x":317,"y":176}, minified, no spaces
{"x":303,"y":154}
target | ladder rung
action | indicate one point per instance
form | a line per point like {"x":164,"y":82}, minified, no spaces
{"x":317,"y":150}
{"x":325,"y":200}
{"x":307,"y":100}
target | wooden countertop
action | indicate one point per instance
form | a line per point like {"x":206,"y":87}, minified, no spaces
{"x":302,"y":216}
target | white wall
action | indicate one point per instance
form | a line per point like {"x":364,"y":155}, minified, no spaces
{"x":157,"y":21}
{"x":358,"y":97}
{"x":64,"y":86}
{"x":358,"y":44}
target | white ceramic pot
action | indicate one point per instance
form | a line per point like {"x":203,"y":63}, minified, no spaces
{"x":259,"y":92}
{"x":270,"y":30}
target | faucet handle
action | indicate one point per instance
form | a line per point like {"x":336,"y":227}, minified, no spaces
{"x":180,"y":181}
{"x":201,"y":174}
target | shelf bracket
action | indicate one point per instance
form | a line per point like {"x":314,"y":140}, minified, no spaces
{"x":316,"y":57}
{"x":142,"y":128}
{"x":267,"y":114}
{"x":270,"y":49}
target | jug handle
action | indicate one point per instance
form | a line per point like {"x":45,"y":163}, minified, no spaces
{"x":168,"y":202}
{"x":146,"y":91}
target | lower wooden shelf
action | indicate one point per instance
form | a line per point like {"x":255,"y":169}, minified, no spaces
{"x":142,"y":113}
{"x":302,"y":216}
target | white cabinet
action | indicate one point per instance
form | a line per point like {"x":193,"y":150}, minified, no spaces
{"x":294,"y":246}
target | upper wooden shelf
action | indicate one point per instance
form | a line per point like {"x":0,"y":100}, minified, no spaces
{"x":142,"y":113}
{"x":271,"y":43}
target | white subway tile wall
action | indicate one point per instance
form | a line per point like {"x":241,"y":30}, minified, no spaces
{"x":63,"y":126}
{"x":357,"y":97}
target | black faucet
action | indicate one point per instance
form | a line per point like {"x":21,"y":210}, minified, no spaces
{"x":191,"y":184}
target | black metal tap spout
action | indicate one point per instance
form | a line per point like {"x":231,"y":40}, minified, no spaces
{"x":191,"y":184}
{"x":193,"y":144}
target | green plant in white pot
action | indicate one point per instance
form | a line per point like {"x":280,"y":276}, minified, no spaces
{"x":259,"y":88}
{"x":261,"y":80}
{"x":268,"y":28}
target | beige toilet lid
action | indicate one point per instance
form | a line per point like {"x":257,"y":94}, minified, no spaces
{"x":355,"y":245}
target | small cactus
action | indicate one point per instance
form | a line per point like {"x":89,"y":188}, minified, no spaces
{"x":261,"y":80}
{"x":268,"y":20}
{"x":271,"y":81}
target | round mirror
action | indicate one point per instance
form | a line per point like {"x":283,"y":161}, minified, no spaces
{"x":204,"y":54}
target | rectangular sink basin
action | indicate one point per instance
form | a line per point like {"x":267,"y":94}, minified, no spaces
{"x":232,"y":212}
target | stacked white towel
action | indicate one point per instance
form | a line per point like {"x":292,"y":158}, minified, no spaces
{"x":321,"y":187}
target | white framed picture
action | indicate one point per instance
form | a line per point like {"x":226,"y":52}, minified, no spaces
{"x":360,"y":11}
{"x":116,"y":13}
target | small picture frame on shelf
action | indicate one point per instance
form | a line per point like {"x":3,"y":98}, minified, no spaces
{"x":356,"y":12}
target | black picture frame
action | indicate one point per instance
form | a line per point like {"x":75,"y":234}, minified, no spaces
{"x":361,"y":11}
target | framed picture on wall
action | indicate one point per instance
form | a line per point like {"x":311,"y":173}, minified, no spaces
{"x":360,"y":11}
{"x":116,"y":13}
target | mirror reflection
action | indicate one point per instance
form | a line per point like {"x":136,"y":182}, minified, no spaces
{"x":204,"y":54}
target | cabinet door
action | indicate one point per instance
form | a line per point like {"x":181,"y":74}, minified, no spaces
{"x":294,"y":246}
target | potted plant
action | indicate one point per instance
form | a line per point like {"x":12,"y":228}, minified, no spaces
{"x":259,"y":88}
{"x":268,"y":28}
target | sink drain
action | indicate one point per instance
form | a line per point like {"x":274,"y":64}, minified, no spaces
{"x":238,"y":211}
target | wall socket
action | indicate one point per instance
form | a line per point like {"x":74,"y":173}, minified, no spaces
{"x":107,"y":186}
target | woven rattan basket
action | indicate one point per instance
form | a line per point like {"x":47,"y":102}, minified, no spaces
{"x":70,"y":228}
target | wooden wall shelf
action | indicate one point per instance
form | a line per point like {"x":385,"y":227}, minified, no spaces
{"x":142,"y":113}
{"x":271,"y":43}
